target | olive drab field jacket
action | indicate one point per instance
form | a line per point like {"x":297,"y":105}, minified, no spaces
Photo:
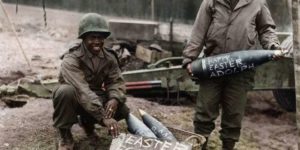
{"x":77,"y":70}
{"x":221,"y":29}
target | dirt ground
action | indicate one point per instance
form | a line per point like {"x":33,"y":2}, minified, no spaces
{"x":265,"y":125}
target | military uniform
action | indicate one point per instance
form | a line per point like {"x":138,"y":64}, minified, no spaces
{"x":85,"y":87}
{"x":225,"y":26}
{"x":91,"y":85}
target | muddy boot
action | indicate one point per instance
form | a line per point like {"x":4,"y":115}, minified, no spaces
{"x":66,"y":141}
{"x":204,"y":146}
{"x":228,"y":144}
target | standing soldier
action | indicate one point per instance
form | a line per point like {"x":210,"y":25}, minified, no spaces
{"x":225,"y":26}
{"x":91,"y":85}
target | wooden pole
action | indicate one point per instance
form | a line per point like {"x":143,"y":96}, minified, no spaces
{"x":171,"y":35}
{"x":296,"y":46}
{"x":15,"y":33}
{"x":152,"y":10}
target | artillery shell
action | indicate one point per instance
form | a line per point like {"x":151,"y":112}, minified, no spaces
{"x":137,"y":127}
{"x":157,"y":127}
{"x":231,"y":63}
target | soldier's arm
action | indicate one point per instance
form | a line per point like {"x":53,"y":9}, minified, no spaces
{"x":74,"y":76}
{"x":200,"y":28}
{"x":115,"y":84}
{"x":266,"y":28}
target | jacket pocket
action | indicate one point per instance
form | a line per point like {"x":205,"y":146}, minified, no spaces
{"x":251,"y":34}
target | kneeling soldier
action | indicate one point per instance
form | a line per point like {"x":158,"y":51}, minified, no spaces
{"x":91,"y":85}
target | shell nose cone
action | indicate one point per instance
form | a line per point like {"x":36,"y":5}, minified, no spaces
{"x":142,"y":112}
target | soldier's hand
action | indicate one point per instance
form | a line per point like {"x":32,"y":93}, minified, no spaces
{"x":113,"y":127}
{"x":279,"y":54}
{"x":110,"y":108}
{"x":189,"y":68}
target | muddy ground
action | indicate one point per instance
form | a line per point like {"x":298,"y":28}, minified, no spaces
{"x":265,"y":125}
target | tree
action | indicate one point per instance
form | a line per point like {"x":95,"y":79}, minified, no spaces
{"x":296,"y":33}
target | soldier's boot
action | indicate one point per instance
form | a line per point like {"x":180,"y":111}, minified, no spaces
{"x":204,"y":146}
{"x":89,"y":129}
{"x":228,"y":144}
{"x":66,"y":141}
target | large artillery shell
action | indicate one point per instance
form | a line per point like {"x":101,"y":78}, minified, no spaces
{"x":231,"y":63}
{"x":157,"y":127}
{"x":137,"y":127}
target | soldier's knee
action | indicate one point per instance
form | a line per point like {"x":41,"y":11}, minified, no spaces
{"x":65,"y":91}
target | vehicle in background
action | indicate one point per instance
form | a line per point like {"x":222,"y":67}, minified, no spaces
{"x":167,"y":78}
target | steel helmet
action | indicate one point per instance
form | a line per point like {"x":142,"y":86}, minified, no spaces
{"x":93,"y":22}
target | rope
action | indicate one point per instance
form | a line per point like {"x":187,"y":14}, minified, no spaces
{"x":15,"y":33}
{"x":45,"y":14}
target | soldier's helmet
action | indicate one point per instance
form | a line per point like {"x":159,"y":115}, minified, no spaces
{"x":93,"y":22}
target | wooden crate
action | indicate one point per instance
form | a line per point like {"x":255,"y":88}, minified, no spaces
{"x":186,"y":141}
{"x":151,"y":56}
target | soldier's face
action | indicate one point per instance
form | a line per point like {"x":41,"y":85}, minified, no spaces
{"x":94,"y":42}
